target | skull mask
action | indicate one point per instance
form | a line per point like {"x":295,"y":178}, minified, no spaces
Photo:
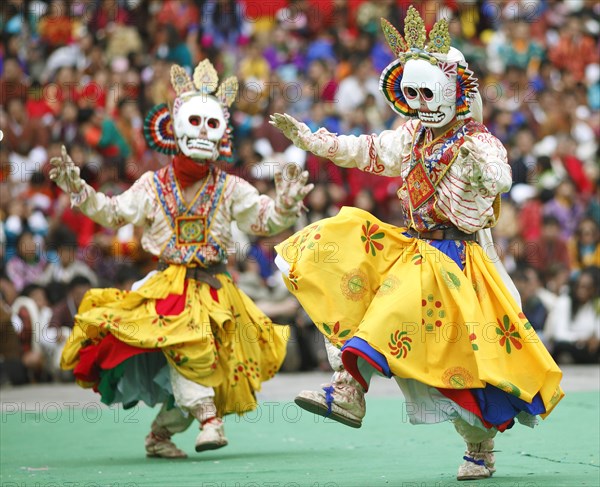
{"x":199,"y":126}
{"x":428,"y":90}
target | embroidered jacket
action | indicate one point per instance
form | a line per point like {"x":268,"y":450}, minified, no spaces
{"x":464,"y":196}
{"x":182,"y":233}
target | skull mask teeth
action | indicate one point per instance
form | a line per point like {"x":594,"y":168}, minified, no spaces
{"x":199,"y":126}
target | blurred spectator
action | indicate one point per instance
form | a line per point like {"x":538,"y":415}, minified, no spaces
{"x":282,"y":54}
{"x":250,"y":281}
{"x":224,"y":24}
{"x":521,"y":50}
{"x":566,"y":151}
{"x":16,"y":221}
{"x":536,"y":301}
{"x":254,"y":68}
{"x":183,"y":15}
{"x":129,"y":124}
{"x":12,"y":81}
{"x":546,"y":177}
{"x":575,"y":49}
{"x":319,"y":203}
{"x":574,"y":323}
{"x":65,"y":128}
{"x":95,"y":93}
{"x":566,"y":208}
{"x":584,"y":247}
{"x":269,"y":140}
{"x":31,"y":315}
{"x":12,"y":369}
{"x":557,"y":279}
{"x":523,"y":161}
{"x":29,"y":262}
{"x":126,"y":276}
{"x":550,"y":249}
{"x":61,"y":323}
{"x":102,"y":134}
{"x":593,"y":210}
{"x":170,"y":47}
{"x":530,"y":218}
{"x":65,"y":266}
{"x":26,"y":140}
{"x":322,"y":83}
{"x":365,"y":201}
{"x":56,"y":26}
{"x":353,"y":90}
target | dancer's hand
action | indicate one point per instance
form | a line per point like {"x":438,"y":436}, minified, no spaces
{"x":291,"y":187}
{"x":473,"y":159}
{"x":65,"y":173}
{"x":296,"y":131}
{"x":469,"y":149}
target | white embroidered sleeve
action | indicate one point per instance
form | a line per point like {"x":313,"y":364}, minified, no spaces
{"x":381,"y":154}
{"x":132,"y":206}
{"x":257,"y":214}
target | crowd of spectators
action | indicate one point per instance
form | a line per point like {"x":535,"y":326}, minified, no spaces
{"x":84,"y":73}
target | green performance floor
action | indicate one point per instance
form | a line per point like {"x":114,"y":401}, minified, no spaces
{"x":283,"y":446}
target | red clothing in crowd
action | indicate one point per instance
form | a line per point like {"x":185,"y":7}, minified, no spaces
{"x":573,"y":54}
{"x":56,"y":30}
{"x":548,"y":253}
{"x":12,"y":89}
{"x":530,"y":220}
{"x":38,"y":108}
{"x":577,"y":174}
{"x":79,"y":224}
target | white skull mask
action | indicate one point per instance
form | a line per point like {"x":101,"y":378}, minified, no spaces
{"x":428,"y":90}
{"x":199,"y":126}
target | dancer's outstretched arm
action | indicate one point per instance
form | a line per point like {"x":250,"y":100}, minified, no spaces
{"x":381,"y":154}
{"x":261,"y":215}
{"x":132,"y":206}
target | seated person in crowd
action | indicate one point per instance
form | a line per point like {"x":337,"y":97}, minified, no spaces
{"x":61,"y":324}
{"x":12,"y":369}
{"x":584,"y":247}
{"x":65,"y":266}
{"x":574,"y":323}
{"x":536,"y":300}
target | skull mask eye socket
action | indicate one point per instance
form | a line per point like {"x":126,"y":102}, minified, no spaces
{"x":427,"y":94}
{"x":195,"y":120}
{"x":213,"y":123}
{"x":410,"y":93}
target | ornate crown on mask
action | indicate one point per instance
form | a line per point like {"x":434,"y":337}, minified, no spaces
{"x":437,"y":51}
{"x":159,"y":124}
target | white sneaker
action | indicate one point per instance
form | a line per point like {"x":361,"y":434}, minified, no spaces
{"x":162,"y":447}
{"x":479,"y":461}
{"x":343,"y":400}
{"x":212,"y":435}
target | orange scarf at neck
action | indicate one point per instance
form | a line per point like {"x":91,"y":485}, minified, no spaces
{"x":188,"y":171}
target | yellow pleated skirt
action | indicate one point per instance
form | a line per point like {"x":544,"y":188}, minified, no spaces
{"x":357,"y":276}
{"x":219,"y":339}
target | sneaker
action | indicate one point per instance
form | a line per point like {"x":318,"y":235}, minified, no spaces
{"x":162,"y":447}
{"x":479,"y":461}
{"x":212,"y":435}
{"x":343,"y":400}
